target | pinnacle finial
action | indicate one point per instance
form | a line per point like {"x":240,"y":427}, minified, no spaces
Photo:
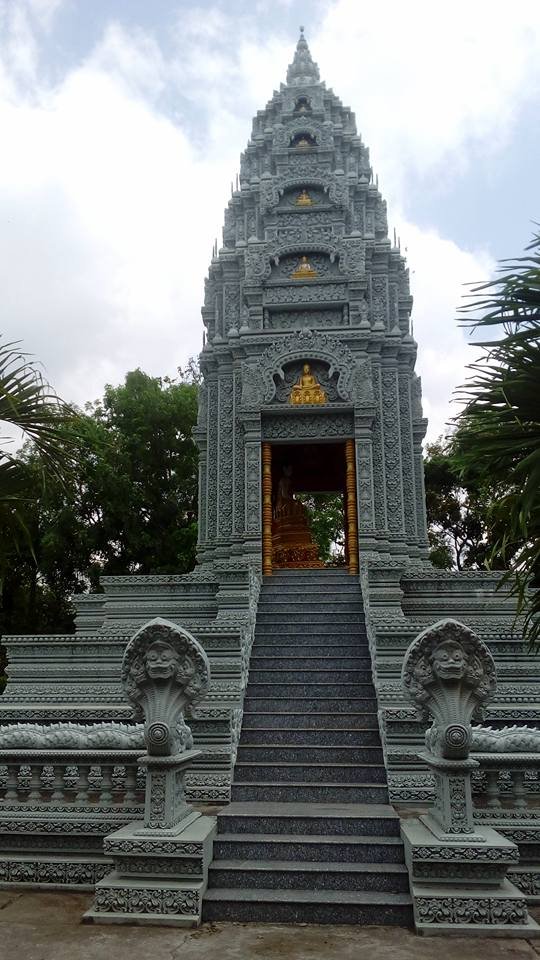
{"x":303,"y":69}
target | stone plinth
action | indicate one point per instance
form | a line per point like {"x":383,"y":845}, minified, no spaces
{"x":159,"y":877}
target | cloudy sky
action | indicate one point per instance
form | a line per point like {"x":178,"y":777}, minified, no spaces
{"x":121,"y":126}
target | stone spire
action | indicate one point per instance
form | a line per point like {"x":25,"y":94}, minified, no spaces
{"x":303,"y":69}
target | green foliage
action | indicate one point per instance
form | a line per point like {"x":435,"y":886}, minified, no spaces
{"x":326,"y":521}
{"x":498,"y":432}
{"x":130,"y":506}
{"x":458,"y":511}
{"x":30,"y":406}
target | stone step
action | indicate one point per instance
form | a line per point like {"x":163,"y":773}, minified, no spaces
{"x":308,"y":617}
{"x":308,"y":847}
{"x":292,"y":719}
{"x":363,"y":737}
{"x":310,"y":689}
{"x":366,"y":819}
{"x":281,"y":663}
{"x":328,"y":652}
{"x":310,"y":704}
{"x":305,"y":675}
{"x":307,"y":753}
{"x":284,"y":874}
{"x":310,"y":792}
{"x":337,"y":589}
{"x":316,"y":606}
{"x":284,"y":772}
{"x":333,"y":633}
{"x":307,"y":906}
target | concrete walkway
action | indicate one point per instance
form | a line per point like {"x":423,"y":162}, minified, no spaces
{"x":46,"y":926}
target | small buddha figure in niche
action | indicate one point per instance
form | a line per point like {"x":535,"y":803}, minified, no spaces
{"x":304,"y":270}
{"x":303,"y":199}
{"x":307,"y":390}
{"x":303,"y":143}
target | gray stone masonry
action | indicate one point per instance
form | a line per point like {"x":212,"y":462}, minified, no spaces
{"x":161,"y":864}
{"x":457,"y":867}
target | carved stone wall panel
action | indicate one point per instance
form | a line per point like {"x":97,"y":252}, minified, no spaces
{"x":378,"y":454}
{"x":364,"y":485}
{"x":212,"y":465}
{"x":225,"y":473}
{"x":305,"y":319}
{"x":392,"y":450}
{"x":409,"y":492}
{"x":309,"y":292}
{"x":253,"y":487}
{"x":308,"y":426}
{"x":238,"y":460}
{"x":231,"y":306}
{"x":379,"y":301}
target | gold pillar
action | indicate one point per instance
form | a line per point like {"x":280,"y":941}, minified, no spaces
{"x":351,"y":513}
{"x":267,"y":509}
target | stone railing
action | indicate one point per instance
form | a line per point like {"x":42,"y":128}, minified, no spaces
{"x":48,"y":779}
{"x":507,"y":786}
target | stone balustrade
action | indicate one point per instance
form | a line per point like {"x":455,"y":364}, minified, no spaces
{"x":71,"y":778}
{"x":507,"y":785}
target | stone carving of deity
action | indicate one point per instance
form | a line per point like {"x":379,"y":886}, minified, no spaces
{"x":307,"y":390}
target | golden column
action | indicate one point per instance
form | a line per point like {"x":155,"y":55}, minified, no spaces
{"x":350,"y":512}
{"x":267,"y":509}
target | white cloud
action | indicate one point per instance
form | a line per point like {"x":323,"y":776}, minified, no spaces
{"x":110,"y":198}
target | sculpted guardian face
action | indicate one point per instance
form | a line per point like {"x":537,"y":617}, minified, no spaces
{"x":161,"y":661}
{"x":448,"y":661}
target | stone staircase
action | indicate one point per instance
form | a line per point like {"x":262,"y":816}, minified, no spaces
{"x":309,"y":835}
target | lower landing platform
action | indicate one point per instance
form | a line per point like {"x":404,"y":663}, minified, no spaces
{"x":476,"y":912}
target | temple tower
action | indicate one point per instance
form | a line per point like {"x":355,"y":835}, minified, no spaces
{"x":308,"y":277}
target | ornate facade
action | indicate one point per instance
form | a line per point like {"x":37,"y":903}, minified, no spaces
{"x":307,"y":274}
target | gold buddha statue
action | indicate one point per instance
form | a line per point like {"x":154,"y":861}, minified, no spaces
{"x":303,"y":199}
{"x":292,"y":541}
{"x":307,"y":390}
{"x":303,"y":143}
{"x":304,"y":270}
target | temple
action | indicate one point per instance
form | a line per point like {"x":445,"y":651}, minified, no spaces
{"x":309,"y":730}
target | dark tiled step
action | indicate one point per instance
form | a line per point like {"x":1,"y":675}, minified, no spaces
{"x":283,"y":772}
{"x":310,"y":704}
{"x":362,"y":738}
{"x":291,"y":719}
{"x":279,"y":650}
{"x":308,"y":618}
{"x":310,"y":792}
{"x":306,"y":753}
{"x":307,"y":847}
{"x":337,"y":591}
{"x":283,"y":663}
{"x":315,"y":606}
{"x":364,"y":819}
{"x":305,"y":675}
{"x":307,"y":906}
{"x":284,"y":874}
{"x":315,"y":633}
{"x":363,"y":691}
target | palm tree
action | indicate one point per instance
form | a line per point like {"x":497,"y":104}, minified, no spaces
{"x":498,"y":431}
{"x":31,"y":408}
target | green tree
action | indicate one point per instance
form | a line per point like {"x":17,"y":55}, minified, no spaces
{"x":458,"y":510}
{"x":498,"y":431}
{"x":130,"y":506}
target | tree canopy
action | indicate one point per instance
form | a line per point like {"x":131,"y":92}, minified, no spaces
{"x":498,"y":431}
{"x":129,"y":507}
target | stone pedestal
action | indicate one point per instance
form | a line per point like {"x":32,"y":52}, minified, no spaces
{"x":459,"y":886}
{"x":161,"y":864}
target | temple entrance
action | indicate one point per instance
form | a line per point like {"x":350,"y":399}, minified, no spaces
{"x":309,"y":506}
